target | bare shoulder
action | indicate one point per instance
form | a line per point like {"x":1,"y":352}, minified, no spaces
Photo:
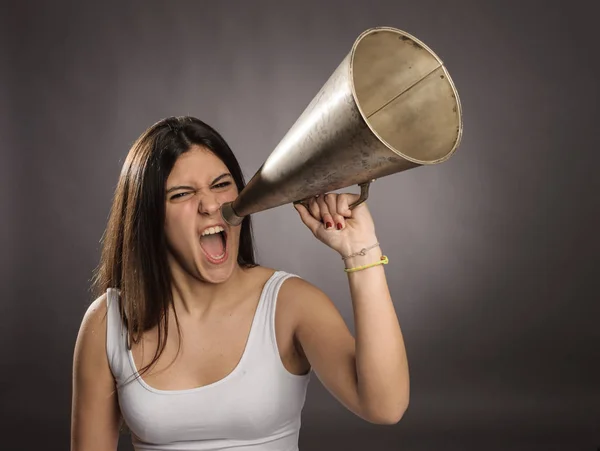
{"x":94,"y":319}
{"x":297,"y":288}
{"x":300,"y":298}
{"x":90,"y":359}
{"x":92,"y":333}
{"x":95,"y":410}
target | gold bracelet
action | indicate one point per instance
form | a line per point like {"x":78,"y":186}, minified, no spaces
{"x":383,"y":261}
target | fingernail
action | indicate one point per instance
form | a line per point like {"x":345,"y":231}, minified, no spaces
{"x":328,"y":225}
{"x":339,"y":226}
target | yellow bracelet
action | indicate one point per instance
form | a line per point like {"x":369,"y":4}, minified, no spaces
{"x":383,"y":261}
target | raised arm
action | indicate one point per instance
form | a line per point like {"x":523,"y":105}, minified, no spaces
{"x":95,"y":412}
{"x":368,"y":375}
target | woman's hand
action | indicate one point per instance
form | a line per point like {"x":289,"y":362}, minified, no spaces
{"x":333,"y":223}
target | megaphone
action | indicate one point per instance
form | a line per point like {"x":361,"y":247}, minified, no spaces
{"x":388,"y":107}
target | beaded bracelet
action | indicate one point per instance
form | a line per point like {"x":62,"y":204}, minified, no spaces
{"x":383,"y":261}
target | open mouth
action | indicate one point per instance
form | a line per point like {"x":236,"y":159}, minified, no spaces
{"x":214,"y":245}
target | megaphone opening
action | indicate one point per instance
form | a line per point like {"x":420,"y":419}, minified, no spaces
{"x":405,"y":95}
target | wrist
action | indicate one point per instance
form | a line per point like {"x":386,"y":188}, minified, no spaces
{"x":351,"y":247}
{"x":366,"y":254}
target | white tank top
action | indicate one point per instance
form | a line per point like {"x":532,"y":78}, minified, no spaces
{"x":256,"y":407}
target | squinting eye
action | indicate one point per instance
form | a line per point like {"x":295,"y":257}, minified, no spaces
{"x":179,"y":195}
{"x":222,"y":185}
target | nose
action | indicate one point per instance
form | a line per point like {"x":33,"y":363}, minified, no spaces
{"x":209,"y":205}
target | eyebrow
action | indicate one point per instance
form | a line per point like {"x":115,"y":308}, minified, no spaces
{"x":175,"y":188}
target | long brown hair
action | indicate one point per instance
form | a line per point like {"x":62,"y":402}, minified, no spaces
{"x":134,"y":257}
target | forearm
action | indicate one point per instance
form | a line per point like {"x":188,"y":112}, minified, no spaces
{"x":381,"y":363}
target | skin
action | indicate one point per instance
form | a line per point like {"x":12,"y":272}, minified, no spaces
{"x":215,"y":305}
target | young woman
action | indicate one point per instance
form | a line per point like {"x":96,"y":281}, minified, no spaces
{"x":192,"y":344}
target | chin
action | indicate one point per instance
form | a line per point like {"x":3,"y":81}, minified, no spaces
{"x":217,"y":276}
{"x":217,"y":272}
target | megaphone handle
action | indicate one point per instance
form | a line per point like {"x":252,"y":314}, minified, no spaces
{"x":364,"y":195}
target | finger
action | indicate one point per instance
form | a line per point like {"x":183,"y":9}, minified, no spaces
{"x":313,"y":207}
{"x":325,"y":215}
{"x":343,"y":202}
{"x":307,"y":218}
{"x":331,"y":201}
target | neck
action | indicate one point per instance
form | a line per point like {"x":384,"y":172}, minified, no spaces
{"x":194,"y":297}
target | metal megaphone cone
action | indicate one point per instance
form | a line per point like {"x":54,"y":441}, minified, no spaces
{"x":388,"y":107}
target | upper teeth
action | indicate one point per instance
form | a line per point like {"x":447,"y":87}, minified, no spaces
{"x":212,"y":230}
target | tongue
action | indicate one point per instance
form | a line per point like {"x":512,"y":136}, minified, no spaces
{"x":213,"y":245}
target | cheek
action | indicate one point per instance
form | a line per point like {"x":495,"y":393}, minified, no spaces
{"x":228,"y":196}
{"x":237,"y":233}
{"x":177,"y":221}
{"x":172,"y":219}
{"x":173,"y":233}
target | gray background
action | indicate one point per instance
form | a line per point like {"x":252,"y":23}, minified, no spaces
{"x":494,"y":254}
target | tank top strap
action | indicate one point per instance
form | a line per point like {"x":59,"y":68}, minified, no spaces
{"x":265,"y":338}
{"x":116,"y":334}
